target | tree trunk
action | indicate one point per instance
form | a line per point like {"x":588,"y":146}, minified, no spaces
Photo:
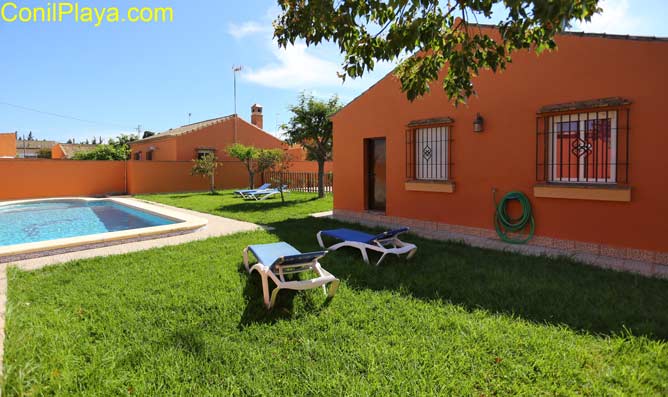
{"x":213,"y":183}
{"x":321,"y":179}
{"x":251,"y":180}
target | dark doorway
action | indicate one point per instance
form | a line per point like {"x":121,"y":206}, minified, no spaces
{"x":375,"y":170}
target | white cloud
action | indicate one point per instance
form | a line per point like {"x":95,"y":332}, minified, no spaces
{"x":615,"y":18}
{"x":295,"y":68}
{"x":247,"y":28}
{"x":299,"y":67}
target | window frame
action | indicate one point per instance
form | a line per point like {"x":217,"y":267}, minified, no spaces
{"x":199,"y":153}
{"x":444,"y":175}
{"x":582,"y":132}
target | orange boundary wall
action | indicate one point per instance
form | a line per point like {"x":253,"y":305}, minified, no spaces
{"x":26,"y":178}
{"x":40,"y":178}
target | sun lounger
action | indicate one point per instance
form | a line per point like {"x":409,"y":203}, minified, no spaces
{"x":277,"y":260}
{"x":265,"y":194}
{"x":385,"y":243}
{"x":247,"y":191}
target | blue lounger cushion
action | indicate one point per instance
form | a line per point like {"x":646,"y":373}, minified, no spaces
{"x":282,"y":254}
{"x":361,"y":237}
{"x":263,"y":187}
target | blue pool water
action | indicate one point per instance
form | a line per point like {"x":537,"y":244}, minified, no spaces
{"x":49,"y":220}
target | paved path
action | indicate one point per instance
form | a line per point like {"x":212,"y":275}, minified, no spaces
{"x":216,"y":226}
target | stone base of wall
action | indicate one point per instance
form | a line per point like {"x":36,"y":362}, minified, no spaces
{"x":647,"y":263}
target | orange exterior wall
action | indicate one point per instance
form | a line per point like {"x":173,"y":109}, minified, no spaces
{"x":28,"y":178}
{"x":8,"y":145}
{"x":175,"y":176}
{"x":504,"y":155}
{"x":309,"y":166}
{"x":219,"y":136}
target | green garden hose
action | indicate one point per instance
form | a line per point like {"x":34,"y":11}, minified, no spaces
{"x":504,"y":224}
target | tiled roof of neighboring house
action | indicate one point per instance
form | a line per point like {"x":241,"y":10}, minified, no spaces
{"x":70,"y":149}
{"x":21,"y":144}
{"x":185,"y":129}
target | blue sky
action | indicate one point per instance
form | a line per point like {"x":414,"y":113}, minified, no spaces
{"x":122,"y":75}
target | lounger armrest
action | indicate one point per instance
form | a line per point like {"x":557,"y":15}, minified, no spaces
{"x":306,"y":257}
{"x":390,"y":234}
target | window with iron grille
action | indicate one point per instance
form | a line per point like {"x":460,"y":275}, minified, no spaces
{"x":428,"y":152}
{"x":588,"y":146}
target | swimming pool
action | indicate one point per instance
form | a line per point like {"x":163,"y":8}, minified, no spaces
{"x":54,"y":219}
{"x":35,"y":225}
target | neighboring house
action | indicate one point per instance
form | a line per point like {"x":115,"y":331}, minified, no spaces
{"x":8,"y":145}
{"x":580,"y":130}
{"x":26,"y":149}
{"x":211,"y":136}
{"x":66,"y":151}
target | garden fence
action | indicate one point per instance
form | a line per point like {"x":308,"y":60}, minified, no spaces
{"x":299,"y":181}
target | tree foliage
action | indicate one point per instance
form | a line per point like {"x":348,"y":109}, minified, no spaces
{"x":432,"y":33}
{"x":255,"y":159}
{"x":310,"y":126}
{"x":117,"y":149}
{"x":206,"y":167}
{"x":44,"y":153}
{"x":102,"y":152}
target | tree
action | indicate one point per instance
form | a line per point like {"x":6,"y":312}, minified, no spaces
{"x":30,"y":138}
{"x":69,"y":141}
{"x":256,"y":160}
{"x":311,"y":127}
{"x":148,"y":134}
{"x":206,"y":166}
{"x":117,"y":149}
{"x":94,"y":141}
{"x":44,"y":153}
{"x":432,"y":33}
{"x":122,"y":144}
{"x":280,"y":167}
{"x":102,"y":152}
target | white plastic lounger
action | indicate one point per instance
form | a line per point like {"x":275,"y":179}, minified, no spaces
{"x":245,"y":192}
{"x":385,"y":243}
{"x":264,"y":194}
{"x":279,"y":259}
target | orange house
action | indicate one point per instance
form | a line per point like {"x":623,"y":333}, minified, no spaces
{"x":580,"y":130}
{"x":8,"y":145}
{"x":190,"y":141}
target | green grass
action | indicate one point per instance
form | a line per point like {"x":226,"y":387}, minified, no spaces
{"x":455,"y":320}
{"x":224,"y":203}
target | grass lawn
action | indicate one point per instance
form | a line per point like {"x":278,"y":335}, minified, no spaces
{"x":456,"y":320}
{"x":224,"y":203}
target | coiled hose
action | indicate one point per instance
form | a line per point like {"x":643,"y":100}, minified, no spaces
{"x":505,"y":224}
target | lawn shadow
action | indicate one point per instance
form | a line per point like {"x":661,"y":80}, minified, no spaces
{"x":555,"y":291}
{"x":255,"y":311}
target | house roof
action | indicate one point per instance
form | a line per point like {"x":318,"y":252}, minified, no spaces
{"x":25,"y":144}
{"x":70,"y":149}
{"x":185,"y":129}
{"x":566,"y":33}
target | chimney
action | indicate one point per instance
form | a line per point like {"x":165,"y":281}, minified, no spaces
{"x":256,"y":115}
